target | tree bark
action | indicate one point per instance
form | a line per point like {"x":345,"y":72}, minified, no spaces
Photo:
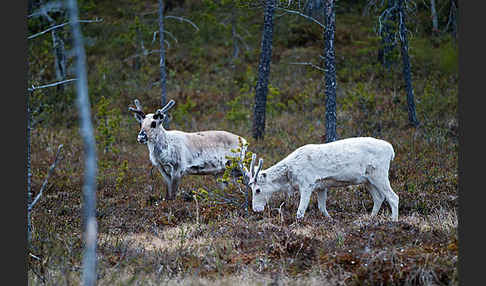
{"x":261,"y":88}
{"x":387,"y":34}
{"x":330,"y":71}
{"x":412,"y":117}
{"x":163,"y":73}
{"x":29,"y":172}
{"x":59,"y":58}
{"x":87,"y":134}
{"x":433,"y":12}
{"x":236,"y":48}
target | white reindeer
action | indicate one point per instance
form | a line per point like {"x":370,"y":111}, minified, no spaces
{"x":352,"y":161}
{"x":176,"y":153}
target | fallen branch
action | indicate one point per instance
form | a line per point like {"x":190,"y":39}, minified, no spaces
{"x":51,"y":169}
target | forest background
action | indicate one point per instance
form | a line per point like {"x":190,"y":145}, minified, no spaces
{"x":211,"y":62}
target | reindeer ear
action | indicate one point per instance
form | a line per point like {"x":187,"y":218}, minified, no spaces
{"x":159,"y":116}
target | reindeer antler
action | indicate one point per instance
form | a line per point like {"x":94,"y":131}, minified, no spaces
{"x":164,"y":109}
{"x":252,"y":174}
{"x":260,"y":165}
{"x":137,"y":110}
{"x":168,"y":106}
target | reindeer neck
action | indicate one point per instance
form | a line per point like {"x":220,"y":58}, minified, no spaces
{"x":277,"y":177}
{"x":161,"y":137}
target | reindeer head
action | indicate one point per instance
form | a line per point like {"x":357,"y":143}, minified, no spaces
{"x":151,"y":122}
{"x":256,"y":181}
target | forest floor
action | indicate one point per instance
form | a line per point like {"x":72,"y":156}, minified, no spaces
{"x":145,"y":240}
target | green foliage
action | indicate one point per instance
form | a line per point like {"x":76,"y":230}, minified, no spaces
{"x":108,"y":126}
{"x":241,"y":105}
{"x":360,"y":96}
{"x":442,"y":56}
{"x":235,"y":193}
{"x":121,"y":175}
{"x":184,"y":111}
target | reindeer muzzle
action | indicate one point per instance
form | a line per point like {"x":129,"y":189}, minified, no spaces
{"x":142,"y":137}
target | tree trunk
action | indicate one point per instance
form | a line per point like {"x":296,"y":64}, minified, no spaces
{"x":433,"y":11}
{"x":163,"y":73}
{"x":236,"y":48}
{"x":330,"y":71}
{"x":412,"y":117}
{"x":29,"y":172}
{"x":261,"y":88}
{"x":59,"y":58}
{"x":387,"y":41}
{"x":454,"y":18}
{"x":87,"y":134}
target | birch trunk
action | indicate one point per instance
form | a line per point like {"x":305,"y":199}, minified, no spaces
{"x":87,"y":134}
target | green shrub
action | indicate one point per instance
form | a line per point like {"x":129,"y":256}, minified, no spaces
{"x":108,"y":126}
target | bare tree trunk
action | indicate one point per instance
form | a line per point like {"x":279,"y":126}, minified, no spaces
{"x":236,"y":48}
{"x":412,"y":117}
{"x":261,"y":89}
{"x":59,"y":58}
{"x":454,"y":18}
{"x":137,"y":60}
{"x":29,"y":172}
{"x":86,"y":132}
{"x":330,"y":71}
{"x":387,"y":34}
{"x":163,"y":73}
{"x":433,"y":11}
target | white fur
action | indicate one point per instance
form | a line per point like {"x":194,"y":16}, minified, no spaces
{"x":352,"y":161}
{"x":176,"y":153}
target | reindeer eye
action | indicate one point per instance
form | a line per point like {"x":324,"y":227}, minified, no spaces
{"x":153,"y":124}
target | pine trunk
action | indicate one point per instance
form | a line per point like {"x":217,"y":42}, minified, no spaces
{"x":261,"y":89}
{"x":330,"y":71}
{"x":407,"y":75}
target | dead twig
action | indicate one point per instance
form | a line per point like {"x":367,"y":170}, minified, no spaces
{"x":51,"y":169}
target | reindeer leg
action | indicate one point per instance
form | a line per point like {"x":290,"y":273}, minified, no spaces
{"x":321,"y":201}
{"x":305,"y":195}
{"x":175,"y":186}
{"x":167,"y":180}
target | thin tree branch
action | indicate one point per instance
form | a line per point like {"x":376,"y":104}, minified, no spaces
{"x":182,"y":19}
{"x":168,"y":33}
{"x":50,"y":84}
{"x":303,"y":15}
{"x":52,"y":6}
{"x":60,"y":26}
{"x":51,"y":169}
{"x":309,"y":64}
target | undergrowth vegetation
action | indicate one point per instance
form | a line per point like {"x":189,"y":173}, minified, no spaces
{"x":198,"y":240}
